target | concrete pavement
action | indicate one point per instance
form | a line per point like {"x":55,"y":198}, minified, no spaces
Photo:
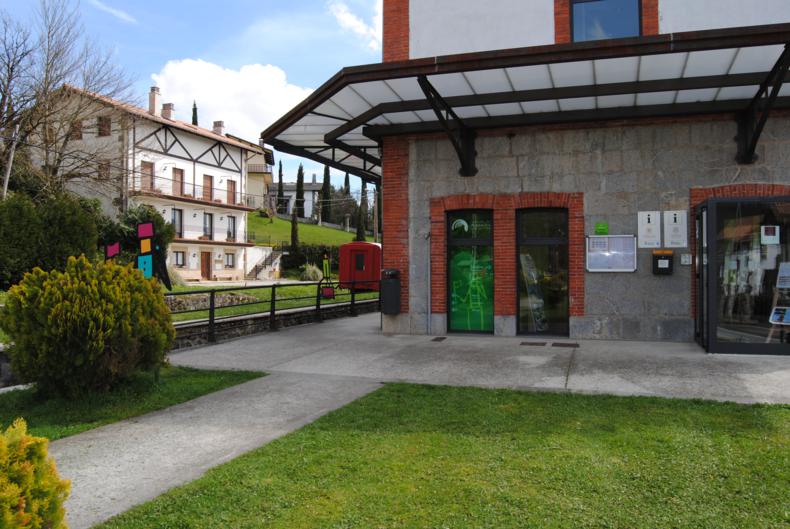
{"x":355,"y":347}
{"x":317,"y":368}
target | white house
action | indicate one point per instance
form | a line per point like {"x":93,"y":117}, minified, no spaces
{"x":312,"y":196}
{"x":195,"y":177}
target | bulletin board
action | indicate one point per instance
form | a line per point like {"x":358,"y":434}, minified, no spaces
{"x":611,"y":253}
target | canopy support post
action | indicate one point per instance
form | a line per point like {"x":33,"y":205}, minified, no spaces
{"x":461,"y":136}
{"x":751,"y":121}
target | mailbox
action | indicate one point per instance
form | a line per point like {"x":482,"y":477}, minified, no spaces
{"x":663,"y":262}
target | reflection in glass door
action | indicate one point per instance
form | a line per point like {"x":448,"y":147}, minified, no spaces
{"x":702,"y":277}
{"x":543,"y":271}
{"x":470,"y":271}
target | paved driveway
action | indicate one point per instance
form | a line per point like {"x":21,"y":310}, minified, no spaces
{"x":355,"y":347}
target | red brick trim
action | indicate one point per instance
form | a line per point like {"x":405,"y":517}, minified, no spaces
{"x":698,"y":195}
{"x":396,"y":30}
{"x":562,"y":19}
{"x":505,"y":274}
{"x":395,"y":212}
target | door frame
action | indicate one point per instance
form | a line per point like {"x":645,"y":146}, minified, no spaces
{"x":537,"y":241}
{"x":468,"y":242}
{"x":209,"y":276}
{"x":714,"y":346}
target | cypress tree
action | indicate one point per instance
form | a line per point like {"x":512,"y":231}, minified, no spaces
{"x":294,"y":232}
{"x":360,"y":237}
{"x":194,"y":114}
{"x":280,"y":192}
{"x":363,"y":204}
{"x":299,"y":206}
{"x":326,"y":196}
{"x":346,"y":186}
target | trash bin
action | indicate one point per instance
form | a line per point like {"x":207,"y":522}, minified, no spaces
{"x":390,"y":291}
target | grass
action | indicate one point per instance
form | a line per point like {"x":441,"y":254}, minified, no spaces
{"x":55,"y":418}
{"x":288,"y":297}
{"x":435,"y":457}
{"x":280,"y":231}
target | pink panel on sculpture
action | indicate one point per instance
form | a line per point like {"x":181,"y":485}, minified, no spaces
{"x":145,"y":230}
{"x":111,"y":250}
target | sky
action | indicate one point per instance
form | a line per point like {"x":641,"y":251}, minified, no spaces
{"x":244,"y":62}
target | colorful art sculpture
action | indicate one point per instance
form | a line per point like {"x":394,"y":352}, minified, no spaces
{"x":150,"y":260}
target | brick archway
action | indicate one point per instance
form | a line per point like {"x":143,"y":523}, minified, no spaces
{"x":504,"y":209}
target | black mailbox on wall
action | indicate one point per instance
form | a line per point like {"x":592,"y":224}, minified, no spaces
{"x":663,"y":262}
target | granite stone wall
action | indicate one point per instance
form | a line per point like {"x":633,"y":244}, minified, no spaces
{"x":621,"y":169}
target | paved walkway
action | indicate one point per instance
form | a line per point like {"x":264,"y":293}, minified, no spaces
{"x":317,"y":368}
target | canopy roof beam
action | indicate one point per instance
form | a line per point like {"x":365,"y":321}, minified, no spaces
{"x":461,"y":136}
{"x":752,"y":120}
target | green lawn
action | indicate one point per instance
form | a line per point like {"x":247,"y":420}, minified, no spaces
{"x":288,"y":297}
{"x":433,"y":457}
{"x":267,"y":233}
{"x":55,"y":418}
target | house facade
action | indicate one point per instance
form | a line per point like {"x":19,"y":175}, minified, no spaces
{"x":196,"y":178}
{"x":312,"y":197}
{"x":615,"y":169}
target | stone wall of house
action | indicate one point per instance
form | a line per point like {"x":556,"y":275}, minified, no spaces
{"x":621,"y":169}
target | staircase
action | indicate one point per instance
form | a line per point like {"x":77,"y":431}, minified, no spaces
{"x":267,"y":262}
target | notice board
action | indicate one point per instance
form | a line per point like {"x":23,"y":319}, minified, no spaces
{"x":611,"y":253}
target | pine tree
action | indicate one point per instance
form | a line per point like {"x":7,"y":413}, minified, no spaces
{"x":299,"y":206}
{"x":194,"y":113}
{"x":347,"y":187}
{"x":326,"y":196}
{"x":280,"y":192}
{"x":360,"y":225}
{"x":363,"y":204}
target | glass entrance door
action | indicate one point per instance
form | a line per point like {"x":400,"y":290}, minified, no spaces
{"x":470,"y":271}
{"x":543,"y":271}
{"x":702,"y":277}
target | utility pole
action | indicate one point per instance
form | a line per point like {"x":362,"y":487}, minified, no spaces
{"x":10,"y":160}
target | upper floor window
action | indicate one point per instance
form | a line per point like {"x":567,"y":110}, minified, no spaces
{"x":105,"y":125}
{"x":75,"y":132}
{"x":605,"y":19}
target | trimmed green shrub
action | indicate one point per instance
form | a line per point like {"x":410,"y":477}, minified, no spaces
{"x":69,"y":229}
{"x":311,"y":272}
{"x":31,"y":491}
{"x":86,"y":327}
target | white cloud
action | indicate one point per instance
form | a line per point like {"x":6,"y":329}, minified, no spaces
{"x":117,"y":13}
{"x":371,"y":32}
{"x":248,"y":99}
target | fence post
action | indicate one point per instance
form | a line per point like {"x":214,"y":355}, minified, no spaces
{"x":318,"y":302}
{"x":353,"y":298}
{"x":211,"y":336}
{"x":273,"y":309}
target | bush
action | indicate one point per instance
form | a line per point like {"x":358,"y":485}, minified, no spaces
{"x":21,"y":231}
{"x":31,"y":492}
{"x":310,"y":253}
{"x":86,"y":327}
{"x":311,"y":272}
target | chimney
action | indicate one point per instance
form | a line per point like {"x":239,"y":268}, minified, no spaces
{"x":219,"y":128}
{"x":167,"y":110}
{"x":153,"y":101}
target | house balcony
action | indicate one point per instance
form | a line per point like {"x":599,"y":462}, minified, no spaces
{"x":191,"y":193}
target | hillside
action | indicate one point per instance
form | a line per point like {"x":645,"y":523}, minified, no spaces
{"x":267,"y":233}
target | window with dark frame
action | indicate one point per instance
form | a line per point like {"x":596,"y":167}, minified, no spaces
{"x":104,"y":170}
{"x":605,"y":19}
{"x":178,"y":222}
{"x":230,"y":260}
{"x":231,"y":228}
{"x":179,"y":259}
{"x":75,"y":132}
{"x":208,"y":226}
{"x":104,"y":124}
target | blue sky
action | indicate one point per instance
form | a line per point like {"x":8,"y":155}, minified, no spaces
{"x":245,"y":62}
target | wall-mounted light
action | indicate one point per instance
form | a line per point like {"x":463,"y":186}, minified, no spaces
{"x":194,"y":215}
{"x":194,"y":255}
{"x":222,"y":218}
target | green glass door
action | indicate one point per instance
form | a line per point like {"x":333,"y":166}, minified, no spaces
{"x":470,"y":271}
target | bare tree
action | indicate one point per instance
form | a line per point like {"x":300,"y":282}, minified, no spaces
{"x":16,"y":55}
{"x":69,"y":80}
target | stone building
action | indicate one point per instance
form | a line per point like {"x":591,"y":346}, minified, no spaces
{"x":616,"y":169}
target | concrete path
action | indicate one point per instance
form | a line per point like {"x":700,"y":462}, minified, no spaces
{"x":355,"y":347}
{"x":317,"y":368}
{"x":118,"y":466}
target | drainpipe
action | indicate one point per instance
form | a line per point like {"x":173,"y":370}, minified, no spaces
{"x":428,"y":290}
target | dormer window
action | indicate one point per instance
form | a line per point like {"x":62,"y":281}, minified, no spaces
{"x":605,"y":19}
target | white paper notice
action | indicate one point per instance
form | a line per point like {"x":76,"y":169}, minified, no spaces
{"x":649,"y":229}
{"x":676,"y":229}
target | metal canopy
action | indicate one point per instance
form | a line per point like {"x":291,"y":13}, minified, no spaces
{"x":742,"y":71}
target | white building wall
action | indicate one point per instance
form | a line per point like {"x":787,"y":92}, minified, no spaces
{"x":443,"y":27}
{"x":693,"y":15}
